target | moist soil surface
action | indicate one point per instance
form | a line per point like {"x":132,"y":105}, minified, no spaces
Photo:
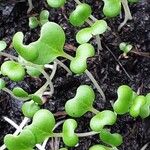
{"x":105,"y":68}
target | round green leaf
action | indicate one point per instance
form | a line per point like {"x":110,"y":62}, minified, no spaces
{"x":80,"y":14}
{"x":99,"y":147}
{"x":81,"y":103}
{"x":56,"y":3}
{"x":36,"y":99}
{"x":13,"y":70}
{"x":19,"y":92}
{"x":99,"y":121}
{"x":2,"y":84}
{"x":33,"y":22}
{"x":30,"y":108}
{"x":44,"y":15}
{"x":69,"y":137}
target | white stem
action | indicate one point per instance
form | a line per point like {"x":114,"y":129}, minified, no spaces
{"x":8,"y":56}
{"x":78,"y":2}
{"x":63,"y":66}
{"x":86,"y":134}
{"x":30,"y":6}
{"x":127,"y":13}
{"x":96,"y":84}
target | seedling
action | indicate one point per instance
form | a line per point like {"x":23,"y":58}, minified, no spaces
{"x":2,"y":84}
{"x":56,"y":3}
{"x":41,"y":128}
{"x":100,"y":147}
{"x":80,"y":14}
{"x":13,"y":70}
{"x":84,"y":35}
{"x":69,"y":137}
{"x":112,"y":8}
{"x":19,"y":92}
{"x":43,"y":18}
{"x":125,"y":47}
{"x":102,"y":119}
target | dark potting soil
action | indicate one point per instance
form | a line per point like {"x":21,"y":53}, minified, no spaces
{"x":104,"y":67}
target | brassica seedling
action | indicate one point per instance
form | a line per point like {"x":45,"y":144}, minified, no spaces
{"x":33,"y":22}
{"x":78,"y":64}
{"x":111,"y":8}
{"x":42,"y":125}
{"x":81,"y":103}
{"x":13,"y":70}
{"x":84,"y":35}
{"x":102,"y":119}
{"x":19,"y":92}
{"x":69,"y":137}
{"x":80,"y":14}
{"x":56,"y":3}
{"x":3,"y":45}
{"x":113,"y":140}
{"x":125,"y":47}
{"x":30,"y":108}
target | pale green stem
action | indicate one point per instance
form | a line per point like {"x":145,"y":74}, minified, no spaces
{"x":8,"y":56}
{"x":63,"y":66}
{"x":93,"y":110}
{"x":30,"y":6}
{"x":127,"y":13}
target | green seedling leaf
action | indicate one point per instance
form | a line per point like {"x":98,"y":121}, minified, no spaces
{"x":81,"y":103}
{"x":3,"y":45}
{"x":80,"y":14}
{"x":33,"y":22}
{"x":44,"y":15}
{"x":99,"y":147}
{"x":124,"y":101}
{"x":133,"y":1}
{"x":42,"y":125}
{"x":30,"y":108}
{"x":99,"y":121}
{"x":33,"y":72}
{"x":36,"y":99}
{"x":56,"y":3}
{"x":69,"y":137}
{"x":2,"y":84}
{"x":145,"y":109}
{"x":84,"y":35}
{"x":13,"y":70}
{"x":19,"y":92}
{"x":125,"y":47}
{"x":24,"y":141}
{"x":48,"y":47}
{"x":99,"y":27}
{"x":111,"y":8}
{"x":78,"y":64}
{"x":138,"y":102}
{"x":111,"y":139}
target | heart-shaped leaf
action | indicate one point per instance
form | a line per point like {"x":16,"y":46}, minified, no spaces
{"x":48,"y":47}
{"x":13,"y":70}
{"x":81,"y":103}
{"x":69,"y":137}
{"x":24,"y":141}
{"x":99,"y":121}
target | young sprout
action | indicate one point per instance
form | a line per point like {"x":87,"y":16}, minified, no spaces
{"x":37,"y":99}
{"x":102,"y":119}
{"x":43,"y":18}
{"x":84,"y":35}
{"x":80,"y":14}
{"x":81,"y":103}
{"x":13,"y":70}
{"x":69,"y":137}
{"x":19,"y":92}
{"x":33,"y":72}
{"x":112,"y":8}
{"x":125,"y":47}
{"x":125,"y":99}
{"x":30,"y":108}
{"x":138,"y":102}
{"x":3,"y":45}
{"x":2,"y":84}
{"x":51,"y":42}
{"x":78,"y":64}
{"x":42,"y":127}
{"x":113,"y":140}
{"x":56,"y":3}
{"x":145,"y":109}
{"x":100,"y":147}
